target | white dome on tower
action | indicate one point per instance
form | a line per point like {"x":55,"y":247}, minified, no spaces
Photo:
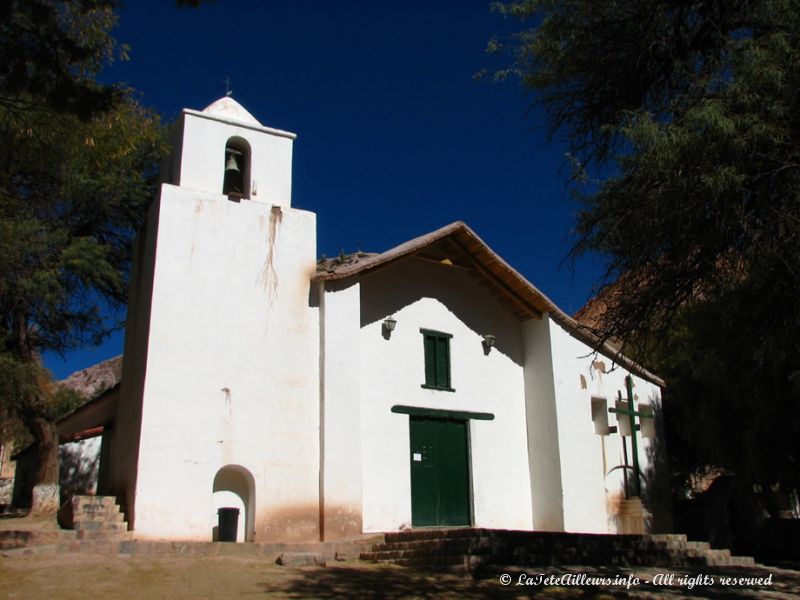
{"x":229,"y":109}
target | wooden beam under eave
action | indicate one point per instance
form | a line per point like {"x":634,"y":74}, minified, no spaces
{"x":531,"y":310}
{"x":438,"y":261}
{"x":503,"y":298}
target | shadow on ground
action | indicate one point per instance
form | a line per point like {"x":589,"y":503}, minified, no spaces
{"x":397,"y":582}
{"x":70,"y":576}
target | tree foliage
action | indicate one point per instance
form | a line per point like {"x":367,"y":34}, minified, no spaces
{"x":78,"y":162}
{"x":72,"y":195}
{"x":683,"y":119}
{"x":50,"y":52}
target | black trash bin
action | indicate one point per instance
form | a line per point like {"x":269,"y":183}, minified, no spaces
{"x":228,"y":524}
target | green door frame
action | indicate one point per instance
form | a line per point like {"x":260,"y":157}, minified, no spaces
{"x":448,"y":471}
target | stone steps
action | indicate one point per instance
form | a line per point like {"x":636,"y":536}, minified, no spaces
{"x":94,"y":518}
{"x":475,"y":548}
{"x":99,"y":529}
{"x":463,"y":543}
{"x":329,"y":551}
{"x":109,"y":517}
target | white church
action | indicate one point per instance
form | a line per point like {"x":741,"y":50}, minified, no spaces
{"x":431,"y":385}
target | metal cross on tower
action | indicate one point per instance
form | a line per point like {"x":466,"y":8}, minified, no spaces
{"x":632,"y":414}
{"x":228,"y":88}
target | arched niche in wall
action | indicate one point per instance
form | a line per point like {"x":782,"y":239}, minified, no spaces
{"x":234,"y":487}
{"x":236,"y":182}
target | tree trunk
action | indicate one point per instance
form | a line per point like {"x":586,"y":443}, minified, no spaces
{"x":46,"y":495}
{"x":745,"y":513}
{"x":46,"y":500}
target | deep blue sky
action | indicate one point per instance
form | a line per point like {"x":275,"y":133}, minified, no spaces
{"x":395,"y":137}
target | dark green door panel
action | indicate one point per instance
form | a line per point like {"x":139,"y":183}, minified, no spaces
{"x":439,"y":472}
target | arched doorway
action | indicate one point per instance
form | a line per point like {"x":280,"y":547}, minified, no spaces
{"x":234,"y":487}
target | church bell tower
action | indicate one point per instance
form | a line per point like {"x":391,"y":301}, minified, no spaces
{"x":224,"y":149}
{"x":219,"y":402}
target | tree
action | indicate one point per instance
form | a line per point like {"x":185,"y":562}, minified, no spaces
{"x":77,"y":166}
{"x":50,"y":52}
{"x":72,"y":195}
{"x":683,"y":119}
{"x":688,"y":112}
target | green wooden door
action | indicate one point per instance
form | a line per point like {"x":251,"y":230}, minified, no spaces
{"x":439,"y":472}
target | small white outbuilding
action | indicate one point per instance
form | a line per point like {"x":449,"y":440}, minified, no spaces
{"x":430,"y":385}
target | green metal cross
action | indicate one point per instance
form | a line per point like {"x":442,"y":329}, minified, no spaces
{"x":632,"y":414}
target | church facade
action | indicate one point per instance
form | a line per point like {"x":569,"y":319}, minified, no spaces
{"x":429,"y":385}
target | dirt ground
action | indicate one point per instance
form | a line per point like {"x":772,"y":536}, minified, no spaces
{"x":73,"y":576}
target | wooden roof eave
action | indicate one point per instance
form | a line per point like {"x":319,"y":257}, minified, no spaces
{"x":518,"y":295}
{"x":500,"y":285}
{"x":507,"y":284}
{"x":607,"y":349}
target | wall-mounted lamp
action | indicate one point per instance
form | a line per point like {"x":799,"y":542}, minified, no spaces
{"x":488,"y":343}
{"x":389,"y":324}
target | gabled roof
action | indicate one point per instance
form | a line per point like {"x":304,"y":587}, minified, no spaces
{"x":458,"y":245}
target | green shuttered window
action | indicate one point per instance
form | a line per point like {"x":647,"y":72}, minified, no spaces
{"x":437,"y":360}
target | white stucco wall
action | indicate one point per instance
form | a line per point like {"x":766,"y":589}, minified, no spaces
{"x":421,"y":294}
{"x":340,"y":402}
{"x":124,"y":441}
{"x":586,"y":457}
{"x":542,"y":423}
{"x":233,"y":360}
{"x":232,"y":367}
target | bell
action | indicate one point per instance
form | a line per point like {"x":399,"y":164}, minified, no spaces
{"x":231,"y":165}
{"x":233,"y":183}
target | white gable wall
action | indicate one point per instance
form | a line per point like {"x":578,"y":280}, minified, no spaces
{"x":582,"y":469}
{"x":424,"y":295}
